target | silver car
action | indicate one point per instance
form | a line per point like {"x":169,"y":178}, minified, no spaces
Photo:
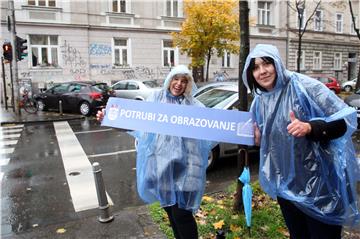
{"x":135,"y":89}
{"x":222,"y":96}
{"x":349,"y":85}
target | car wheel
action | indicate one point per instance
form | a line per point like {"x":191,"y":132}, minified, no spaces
{"x":41,"y":105}
{"x":348,"y":88}
{"x":213,"y":157}
{"x":84,"y":108}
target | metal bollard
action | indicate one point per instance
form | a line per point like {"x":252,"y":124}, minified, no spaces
{"x":60,"y":107}
{"x":101,"y":194}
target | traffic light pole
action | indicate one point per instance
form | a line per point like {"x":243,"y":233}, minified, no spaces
{"x":4,"y":83}
{"x":16,"y":95}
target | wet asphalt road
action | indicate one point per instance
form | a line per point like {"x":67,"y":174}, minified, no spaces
{"x":35,"y":191}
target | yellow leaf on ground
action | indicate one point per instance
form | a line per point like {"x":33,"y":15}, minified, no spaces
{"x":234,"y":228}
{"x":207,"y":199}
{"x":219,"y":224}
{"x":61,"y":230}
{"x":284,"y":231}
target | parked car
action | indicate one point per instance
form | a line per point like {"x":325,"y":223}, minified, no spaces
{"x":134,"y":89}
{"x":225,"y":97}
{"x":209,"y":86}
{"x":349,"y":85}
{"x":83,"y":97}
{"x":353,"y":100}
{"x":330,"y":82}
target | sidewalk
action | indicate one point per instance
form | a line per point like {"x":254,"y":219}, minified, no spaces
{"x":9,"y":117}
{"x":129,"y":223}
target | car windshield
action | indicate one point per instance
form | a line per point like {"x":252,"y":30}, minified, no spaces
{"x":217,"y":98}
{"x":102,"y":86}
{"x":151,"y":84}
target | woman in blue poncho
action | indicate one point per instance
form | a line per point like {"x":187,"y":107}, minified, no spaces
{"x":171,"y":169}
{"x":307,"y":159}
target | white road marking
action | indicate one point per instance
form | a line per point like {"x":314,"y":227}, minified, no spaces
{"x":4,"y":158}
{"x":82,"y":186}
{"x":112,"y":153}
{"x":13,"y":126}
{"x":3,"y":162}
{"x":9,"y":142}
{"x":11,"y":130}
{"x":6,"y":150}
{"x":9,"y":136}
{"x":92,"y":131}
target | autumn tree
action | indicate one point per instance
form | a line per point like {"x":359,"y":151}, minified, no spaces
{"x":211,"y":27}
{"x":299,"y":6}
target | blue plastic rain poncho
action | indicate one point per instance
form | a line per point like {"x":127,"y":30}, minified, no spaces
{"x":319,"y":177}
{"x":171,"y":169}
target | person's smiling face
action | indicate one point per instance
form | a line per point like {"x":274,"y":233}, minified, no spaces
{"x":264,"y":74}
{"x":178,"y":85}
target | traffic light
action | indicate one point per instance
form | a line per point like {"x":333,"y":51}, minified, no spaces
{"x":21,"y":48}
{"x":7,"y":51}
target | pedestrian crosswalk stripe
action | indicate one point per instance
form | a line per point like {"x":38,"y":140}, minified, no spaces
{"x":78,"y":169}
{"x":4,"y":161}
{"x":6,"y":150}
{"x":10,"y":130}
{"x":9,"y":142}
{"x":9,"y":136}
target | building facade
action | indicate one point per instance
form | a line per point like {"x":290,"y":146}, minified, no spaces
{"x":112,"y":40}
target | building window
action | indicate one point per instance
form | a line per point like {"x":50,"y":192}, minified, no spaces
{"x":352,"y":31}
{"x":337,"y":61}
{"x":264,"y":13}
{"x":44,"y":50}
{"x":318,"y":20}
{"x":169,"y":53}
{"x":226,"y":59}
{"x":317,"y":60}
{"x":42,"y":3}
{"x":302,"y":59}
{"x":119,"y":6}
{"x":121,"y":52}
{"x":172,"y":8}
{"x":339,"y":23}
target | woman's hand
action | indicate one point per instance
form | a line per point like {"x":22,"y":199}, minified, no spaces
{"x":298,"y":128}
{"x":257,"y":135}
{"x":100,"y":115}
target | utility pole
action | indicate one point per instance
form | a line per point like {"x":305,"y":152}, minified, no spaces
{"x":16,"y":95}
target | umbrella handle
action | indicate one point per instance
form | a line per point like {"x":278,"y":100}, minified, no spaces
{"x":245,"y":151}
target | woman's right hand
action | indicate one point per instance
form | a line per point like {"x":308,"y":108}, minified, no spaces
{"x":100,"y":115}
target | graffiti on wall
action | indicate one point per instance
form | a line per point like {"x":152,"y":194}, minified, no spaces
{"x":137,"y":72}
{"x":73,"y":60}
{"x":96,"y":49}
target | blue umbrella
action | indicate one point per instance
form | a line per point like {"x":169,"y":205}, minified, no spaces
{"x":246,"y":195}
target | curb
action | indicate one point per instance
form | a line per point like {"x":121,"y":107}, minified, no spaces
{"x":40,"y":121}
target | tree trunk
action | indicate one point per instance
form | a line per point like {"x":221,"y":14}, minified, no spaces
{"x":207,"y":66}
{"x":244,"y":52}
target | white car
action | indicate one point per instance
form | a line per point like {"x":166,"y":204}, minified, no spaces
{"x":135,"y":89}
{"x":226,"y":97}
{"x":349,"y":85}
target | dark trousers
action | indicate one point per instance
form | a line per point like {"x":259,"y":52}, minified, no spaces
{"x":301,"y":226}
{"x":182,"y":222}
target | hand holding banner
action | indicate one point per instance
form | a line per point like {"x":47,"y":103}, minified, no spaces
{"x":180,"y":120}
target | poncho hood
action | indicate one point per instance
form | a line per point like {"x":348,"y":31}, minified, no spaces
{"x":264,"y":50}
{"x":181,"y":70}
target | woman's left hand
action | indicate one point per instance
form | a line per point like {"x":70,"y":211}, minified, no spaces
{"x":298,"y":128}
